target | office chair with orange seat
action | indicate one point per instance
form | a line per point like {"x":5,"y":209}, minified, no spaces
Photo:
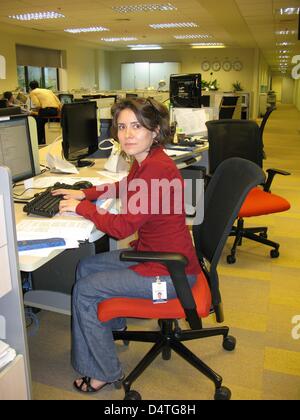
{"x":222,"y":204}
{"x":241,"y":138}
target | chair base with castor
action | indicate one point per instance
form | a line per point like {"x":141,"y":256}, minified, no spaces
{"x":257,"y":234}
{"x":168,"y":339}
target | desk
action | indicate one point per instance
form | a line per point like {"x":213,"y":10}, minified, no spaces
{"x":54,"y":300}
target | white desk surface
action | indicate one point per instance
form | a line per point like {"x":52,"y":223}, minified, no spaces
{"x":32,"y":263}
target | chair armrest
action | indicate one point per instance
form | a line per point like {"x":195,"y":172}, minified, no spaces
{"x":175,"y":264}
{"x":271,"y":173}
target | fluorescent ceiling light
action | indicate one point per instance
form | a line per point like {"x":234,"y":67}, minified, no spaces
{"x":288,"y":11}
{"x":91,"y":29}
{"x":139,"y":47}
{"x":173,"y":25}
{"x":208,"y":45}
{"x":202,"y":36}
{"x":37,"y":16}
{"x":145,"y":8}
{"x":126,"y":39}
{"x":285,"y":44}
{"x":286,"y":32}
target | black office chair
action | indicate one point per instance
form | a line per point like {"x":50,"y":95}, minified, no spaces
{"x":241,"y":138}
{"x":228,"y":106}
{"x":3,"y":103}
{"x":262,"y":126}
{"x":223,"y":198}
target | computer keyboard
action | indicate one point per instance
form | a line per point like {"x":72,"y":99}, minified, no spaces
{"x":47,"y":205}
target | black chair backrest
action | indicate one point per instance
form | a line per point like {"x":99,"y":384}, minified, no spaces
{"x":264,"y":120}
{"x":233,"y":138}
{"x":3,"y":103}
{"x":227,"y":107}
{"x":224,"y":196}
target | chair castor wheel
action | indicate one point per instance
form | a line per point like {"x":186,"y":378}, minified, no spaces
{"x":132,"y":396}
{"x":274,"y":253}
{"x":229,"y":343}
{"x":166,"y":353}
{"x":231,"y":259}
{"x":222,"y":394}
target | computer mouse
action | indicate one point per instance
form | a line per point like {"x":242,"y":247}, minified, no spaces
{"x":82,"y":185}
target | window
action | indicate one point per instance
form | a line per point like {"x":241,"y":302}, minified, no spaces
{"x":47,"y":77}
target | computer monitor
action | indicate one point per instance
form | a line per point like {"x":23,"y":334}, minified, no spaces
{"x":11,"y":110}
{"x":15,"y":147}
{"x":79,"y":131}
{"x":185,"y":90}
{"x":66,"y":98}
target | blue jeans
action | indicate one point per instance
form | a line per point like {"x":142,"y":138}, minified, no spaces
{"x":98,"y":278}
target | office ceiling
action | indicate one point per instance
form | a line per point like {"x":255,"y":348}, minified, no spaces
{"x":236,"y":23}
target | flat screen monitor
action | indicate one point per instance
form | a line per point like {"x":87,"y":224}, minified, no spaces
{"x":79,"y":131}
{"x":185,"y":90}
{"x":15,"y":147}
{"x":11,"y":110}
{"x":66,"y":98}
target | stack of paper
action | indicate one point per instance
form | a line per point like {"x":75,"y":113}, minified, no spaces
{"x":7,"y":354}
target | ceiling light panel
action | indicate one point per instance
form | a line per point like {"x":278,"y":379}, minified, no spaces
{"x":145,"y":8}
{"x":37,"y":16}
{"x":288,"y":11}
{"x":83,"y":30}
{"x":126,"y":39}
{"x":173,"y":25}
{"x":201,"y":36}
{"x":139,"y":47}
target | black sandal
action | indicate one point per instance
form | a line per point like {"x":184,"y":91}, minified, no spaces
{"x":86,"y":380}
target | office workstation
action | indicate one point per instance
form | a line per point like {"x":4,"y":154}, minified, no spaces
{"x":260,"y":310}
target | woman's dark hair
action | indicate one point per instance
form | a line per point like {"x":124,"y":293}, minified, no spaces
{"x":149,"y":113}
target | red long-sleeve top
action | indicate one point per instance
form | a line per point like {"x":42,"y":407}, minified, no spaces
{"x":156,"y":214}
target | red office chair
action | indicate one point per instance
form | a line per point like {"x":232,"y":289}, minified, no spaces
{"x":223,"y":198}
{"x":229,"y":138}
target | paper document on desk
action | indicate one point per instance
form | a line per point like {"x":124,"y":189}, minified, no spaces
{"x":56,"y":164}
{"x":7,"y":354}
{"x":111,"y":177}
{"x":79,"y":230}
{"x":191,"y":121}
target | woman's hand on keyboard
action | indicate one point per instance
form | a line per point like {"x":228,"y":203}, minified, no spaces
{"x":68,"y":205}
{"x":70,"y":194}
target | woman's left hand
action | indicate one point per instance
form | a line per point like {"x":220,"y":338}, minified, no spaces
{"x":68,"y":205}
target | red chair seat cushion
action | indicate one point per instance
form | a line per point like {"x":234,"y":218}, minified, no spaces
{"x":259,"y":202}
{"x":145,"y":308}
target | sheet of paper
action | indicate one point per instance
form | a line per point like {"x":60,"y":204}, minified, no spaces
{"x":111,"y":177}
{"x":5,"y":279}
{"x":191,"y":121}
{"x":56,"y":164}
{"x":76,"y":229}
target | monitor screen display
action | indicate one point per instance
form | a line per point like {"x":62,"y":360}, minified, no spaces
{"x":15,"y":147}
{"x":185,"y":90}
{"x":65,"y":98}
{"x":79,"y":129}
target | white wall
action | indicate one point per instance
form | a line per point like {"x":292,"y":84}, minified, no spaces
{"x":287,"y":96}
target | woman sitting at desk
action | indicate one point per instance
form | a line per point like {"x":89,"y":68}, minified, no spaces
{"x":142,"y":126}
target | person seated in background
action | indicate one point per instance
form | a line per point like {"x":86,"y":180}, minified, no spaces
{"x":10,"y":100}
{"x":45,"y":104}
